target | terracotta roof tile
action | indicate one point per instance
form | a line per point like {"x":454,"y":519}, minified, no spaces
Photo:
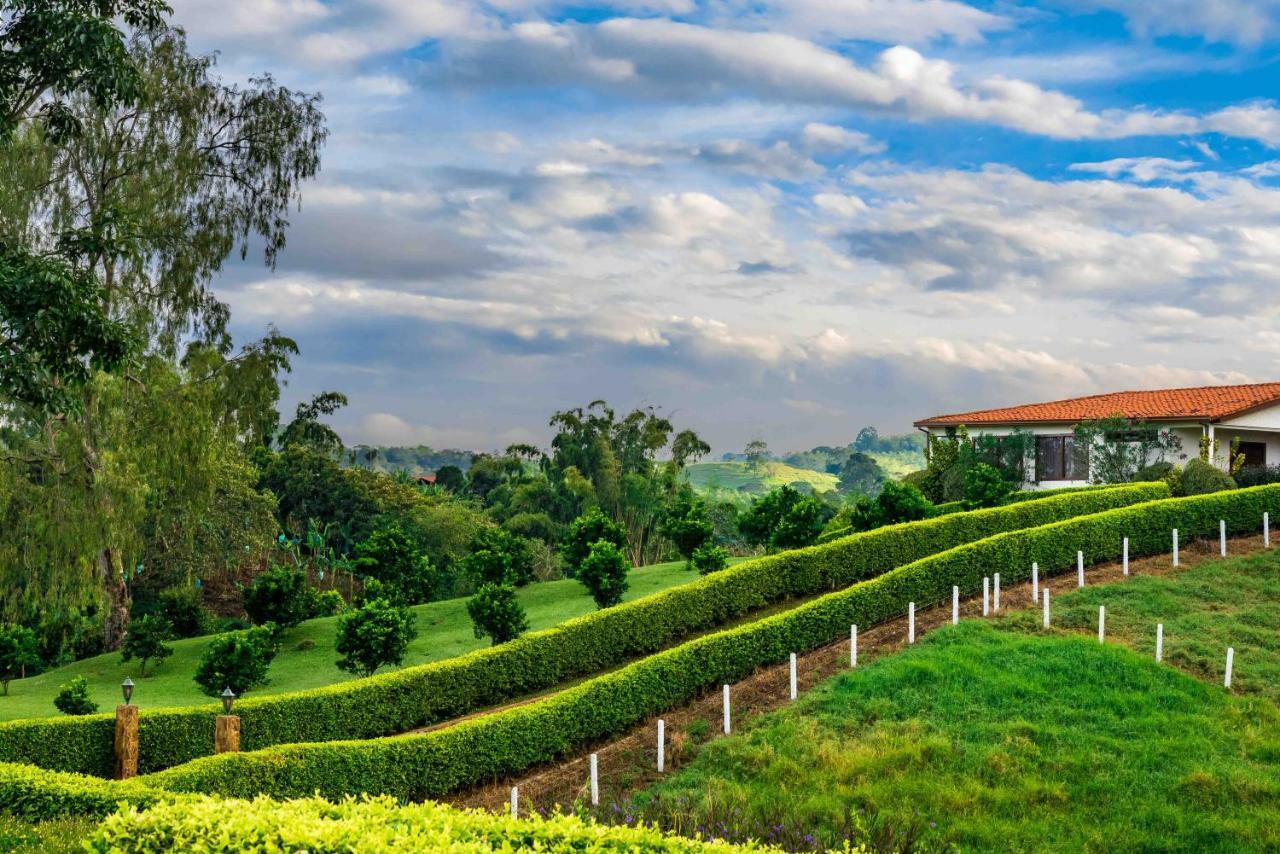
{"x":1206,"y":403}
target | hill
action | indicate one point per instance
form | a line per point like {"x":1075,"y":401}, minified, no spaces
{"x":741,"y":477}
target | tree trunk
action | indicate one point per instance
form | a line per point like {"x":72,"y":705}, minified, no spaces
{"x":116,"y":619}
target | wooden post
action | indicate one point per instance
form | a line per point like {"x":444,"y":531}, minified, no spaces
{"x":793,"y":675}
{"x":1126,"y":555}
{"x":1045,"y":596}
{"x":995,"y":593}
{"x":1159,"y":641}
{"x":662,"y":745}
{"x":726,"y":710}
{"x":1035,"y":582}
{"x":1222,"y":535}
{"x":911,"y":622}
{"x":1175,"y":546}
{"x":126,"y":741}
{"x":1079,"y":569}
{"x":1266,"y":530}
{"x":1226,"y":679}
{"x":515,"y":802}
{"x":595,"y":781}
{"x":226,"y":734}
{"x":853,"y":645}
{"x":986,"y":596}
{"x":955,"y":604}
{"x":1102,"y":623}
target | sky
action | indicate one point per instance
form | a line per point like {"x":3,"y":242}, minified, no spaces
{"x":782,"y":220}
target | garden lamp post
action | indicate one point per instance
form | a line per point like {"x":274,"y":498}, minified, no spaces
{"x":226,"y":732}
{"x":228,"y":697}
{"x":126,"y":737}
{"x":126,"y":688}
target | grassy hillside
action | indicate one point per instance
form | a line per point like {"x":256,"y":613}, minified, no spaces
{"x":306,"y":658}
{"x":1002,"y":736}
{"x":734,"y":476}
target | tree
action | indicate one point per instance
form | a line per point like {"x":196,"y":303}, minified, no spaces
{"x":756,"y":452}
{"x":73,"y":698}
{"x":496,"y":612}
{"x":1114,"y":449}
{"x":451,"y":478}
{"x":146,"y":641}
{"x":984,"y":486}
{"x":867,"y":440}
{"x":307,"y":429}
{"x":861,"y":474}
{"x":709,"y":558}
{"x":902,"y":502}
{"x":499,"y":557}
{"x":584,"y":532}
{"x":393,"y":557}
{"x":237,"y":660}
{"x":17,"y":653}
{"x":686,"y":524}
{"x":801,"y":525}
{"x":376,"y":633}
{"x":604,"y":573}
{"x":281,"y":595}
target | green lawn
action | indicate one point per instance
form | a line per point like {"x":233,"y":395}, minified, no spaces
{"x":306,"y":658}
{"x":999,"y":736}
{"x":734,"y":475}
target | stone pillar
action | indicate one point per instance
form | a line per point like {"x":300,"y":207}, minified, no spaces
{"x":126,"y":742}
{"x":226,"y":734}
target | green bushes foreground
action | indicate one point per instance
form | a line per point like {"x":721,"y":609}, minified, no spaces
{"x":506,"y":742}
{"x":417,"y":696}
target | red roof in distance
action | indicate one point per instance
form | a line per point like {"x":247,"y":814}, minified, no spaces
{"x":1203,"y":403}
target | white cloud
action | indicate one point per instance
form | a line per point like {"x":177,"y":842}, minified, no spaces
{"x":1247,"y":22}
{"x":830,"y":138}
{"x":1144,"y":169}
{"x":885,"y":21}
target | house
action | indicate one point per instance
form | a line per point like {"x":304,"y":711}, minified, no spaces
{"x":1249,"y":413}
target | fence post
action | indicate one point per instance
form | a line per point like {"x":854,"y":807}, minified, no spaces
{"x":726,"y":710}
{"x":226,"y":734}
{"x":793,"y":675}
{"x":1222,"y":536}
{"x":1079,"y":569}
{"x":662,"y":745}
{"x":955,"y":604}
{"x":1159,"y":642}
{"x":595,"y":781}
{"x":1102,"y":623}
{"x":986,"y":596}
{"x":911,"y":622}
{"x":1046,"y":606}
{"x":1226,"y":680}
{"x":853,"y":645}
{"x":1035,"y":582}
{"x":1175,"y":546}
{"x":1266,"y":530}
{"x":1126,"y":555}
{"x":995,"y":601}
{"x":126,"y":744}
{"x":515,"y":802}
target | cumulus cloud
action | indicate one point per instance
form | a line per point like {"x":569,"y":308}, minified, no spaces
{"x":885,"y":21}
{"x":830,"y":138}
{"x":1247,"y":22}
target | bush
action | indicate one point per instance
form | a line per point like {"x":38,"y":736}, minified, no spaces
{"x":604,"y":574}
{"x":182,"y":607}
{"x":73,"y":698}
{"x":1257,"y":475}
{"x":1155,"y":471}
{"x":17,"y":653}
{"x":505,"y":742}
{"x":584,"y":532}
{"x":1201,"y":478}
{"x":686,"y":524}
{"x":984,"y":486}
{"x":372,"y":635}
{"x":426,"y":694}
{"x":784,"y":519}
{"x":327,"y":603}
{"x":238,"y":661}
{"x":146,"y":641}
{"x":499,"y":557}
{"x":497,"y":613}
{"x":37,"y":795}
{"x":393,"y":558}
{"x":709,"y":558}
{"x":281,"y":595}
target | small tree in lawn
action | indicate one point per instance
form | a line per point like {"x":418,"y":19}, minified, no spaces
{"x":281,"y":595}
{"x":376,"y":633}
{"x":589,"y":528}
{"x":985,"y":486}
{"x":709,"y":558}
{"x":396,"y":560}
{"x":496,"y":612}
{"x":146,"y":641}
{"x":73,"y":698}
{"x":604,"y":573}
{"x":686,"y":524}
{"x":499,"y":557}
{"x":18,"y":651}
{"x":237,"y":660}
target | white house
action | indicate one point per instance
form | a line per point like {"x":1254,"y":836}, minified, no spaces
{"x":1250,"y":413}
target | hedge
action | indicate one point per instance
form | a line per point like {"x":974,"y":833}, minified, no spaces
{"x":417,"y":696}
{"x":367,"y":825}
{"x":39,"y":795}
{"x":506,"y":742}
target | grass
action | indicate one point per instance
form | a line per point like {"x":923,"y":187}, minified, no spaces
{"x":733,"y":476}
{"x":61,"y":835}
{"x":306,"y":658}
{"x":998,"y":736}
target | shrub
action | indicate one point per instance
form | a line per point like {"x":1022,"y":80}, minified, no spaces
{"x":686,"y":524}
{"x":604,"y":574}
{"x":498,"y":557}
{"x":281,"y":595}
{"x":1155,"y":471}
{"x":238,"y":660}
{"x":984,"y":486}
{"x":1257,"y":475}
{"x":709,"y":558}
{"x":584,"y":532}
{"x":1201,"y":478}
{"x":73,"y":698}
{"x":784,"y":519}
{"x":181,"y":606}
{"x":327,"y":603}
{"x":504,"y":742}
{"x":393,"y":558}
{"x":902,"y":502}
{"x":38,"y":795}
{"x":146,"y":641}
{"x":497,"y":613}
{"x":372,"y":635}
{"x":429,"y":693}
{"x":17,"y":652}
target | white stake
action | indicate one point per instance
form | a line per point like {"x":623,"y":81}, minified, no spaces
{"x":1266,"y":530}
{"x":1079,"y":569}
{"x":793,"y":675}
{"x":1175,"y":546}
{"x":911,"y":622}
{"x":726,"y":710}
{"x":1231,"y":654}
{"x":515,"y":802}
{"x":1102,"y":622}
{"x":995,"y":604}
{"x":1045,"y":596}
{"x":986,"y":596}
{"x":595,"y":781}
{"x":853,"y":645}
{"x":1126,"y":555}
{"x":1159,"y":642}
{"x":1222,"y":536}
{"x":955,"y":605}
{"x":1035,"y":582}
{"x":662,"y":745}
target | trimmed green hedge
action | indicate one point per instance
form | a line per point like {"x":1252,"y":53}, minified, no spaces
{"x":506,"y":742}
{"x":417,"y":696}
{"x":39,"y":795}
{"x":367,"y":825}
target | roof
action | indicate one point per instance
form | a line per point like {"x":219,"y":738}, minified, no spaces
{"x":1203,"y":403}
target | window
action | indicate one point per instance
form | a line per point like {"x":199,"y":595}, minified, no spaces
{"x":1255,"y":453}
{"x":1056,"y":459}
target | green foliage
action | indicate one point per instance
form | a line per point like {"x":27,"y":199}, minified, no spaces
{"x":687,"y":524}
{"x":1114,"y":449}
{"x":237,"y":660}
{"x":146,"y":641}
{"x":584,"y":532}
{"x":17,"y":653}
{"x":451,"y":478}
{"x":984,"y":486}
{"x":897,"y":502}
{"x":1201,"y":478}
{"x":784,"y":519}
{"x":39,"y":795}
{"x":182,"y":607}
{"x":426,"y":694}
{"x":376,"y":633}
{"x":394,"y":559}
{"x":709,"y":558}
{"x":507,"y":741}
{"x":604,"y":573}
{"x":496,"y":613}
{"x":73,"y":698}
{"x":862,"y":475}
{"x":499,"y":557}
{"x":308,"y":430}
{"x":327,"y":603}
{"x":281,"y":595}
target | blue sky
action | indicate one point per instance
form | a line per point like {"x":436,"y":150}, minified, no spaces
{"x":773,"y":219}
